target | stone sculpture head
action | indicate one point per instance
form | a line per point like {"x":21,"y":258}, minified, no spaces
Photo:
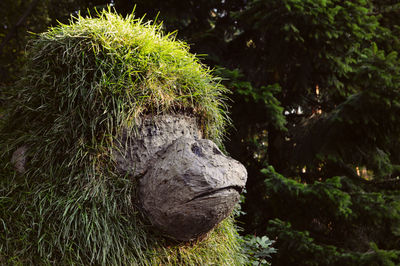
{"x":187,"y":185}
{"x":115,"y":132}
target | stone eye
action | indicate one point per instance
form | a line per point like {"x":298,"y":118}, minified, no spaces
{"x":217,"y":151}
{"x":197,"y":150}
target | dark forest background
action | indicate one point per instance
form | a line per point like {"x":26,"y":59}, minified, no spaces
{"x":315,"y":110}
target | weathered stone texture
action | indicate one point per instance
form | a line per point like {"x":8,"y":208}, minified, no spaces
{"x":187,"y":186}
{"x":149,"y":135}
{"x":18,"y":159}
{"x":190,"y":188}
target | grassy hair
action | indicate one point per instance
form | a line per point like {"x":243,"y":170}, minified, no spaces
{"x":83,"y":84}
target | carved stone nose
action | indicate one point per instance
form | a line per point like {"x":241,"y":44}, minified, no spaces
{"x":190,"y":188}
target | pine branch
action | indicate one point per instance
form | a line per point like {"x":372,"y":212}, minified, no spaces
{"x":389,"y":184}
{"x":387,"y":9}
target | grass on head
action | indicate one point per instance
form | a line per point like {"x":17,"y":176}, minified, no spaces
{"x":84,"y":82}
{"x":110,"y":58}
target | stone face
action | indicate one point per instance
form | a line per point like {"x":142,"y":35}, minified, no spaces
{"x":190,"y":188}
{"x":187,"y":185}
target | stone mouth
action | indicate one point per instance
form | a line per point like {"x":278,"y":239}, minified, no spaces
{"x":236,"y":189}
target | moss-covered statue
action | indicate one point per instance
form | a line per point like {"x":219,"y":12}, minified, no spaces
{"x":108,"y":152}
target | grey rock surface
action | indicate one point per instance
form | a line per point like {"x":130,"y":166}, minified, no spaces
{"x":18,"y":159}
{"x":190,"y":188}
{"x":149,"y":135}
{"x":187,"y":185}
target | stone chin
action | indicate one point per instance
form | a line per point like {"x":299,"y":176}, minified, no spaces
{"x":186,"y":184}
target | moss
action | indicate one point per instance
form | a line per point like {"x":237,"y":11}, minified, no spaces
{"x":84,"y":82}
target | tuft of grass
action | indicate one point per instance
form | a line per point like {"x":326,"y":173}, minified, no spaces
{"x":84,"y":82}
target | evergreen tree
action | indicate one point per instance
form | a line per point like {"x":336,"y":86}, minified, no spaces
{"x":332,"y":67}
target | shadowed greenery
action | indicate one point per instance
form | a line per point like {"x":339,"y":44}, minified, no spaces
{"x":83,"y":84}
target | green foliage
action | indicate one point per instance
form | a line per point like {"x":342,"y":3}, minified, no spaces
{"x":258,"y":249}
{"x":358,"y":122}
{"x":263,"y":96}
{"x":83,"y":83}
{"x":128,"y":60}
{"x":12,"y":53}
{"x":20,"y":18}
{"x":302,"y":247}
{"x":333,"y":222}
{"x":306,"y":43}
{"x":303,"y":250}
{"x":337,"y":68}
{"x":326,"y":198}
